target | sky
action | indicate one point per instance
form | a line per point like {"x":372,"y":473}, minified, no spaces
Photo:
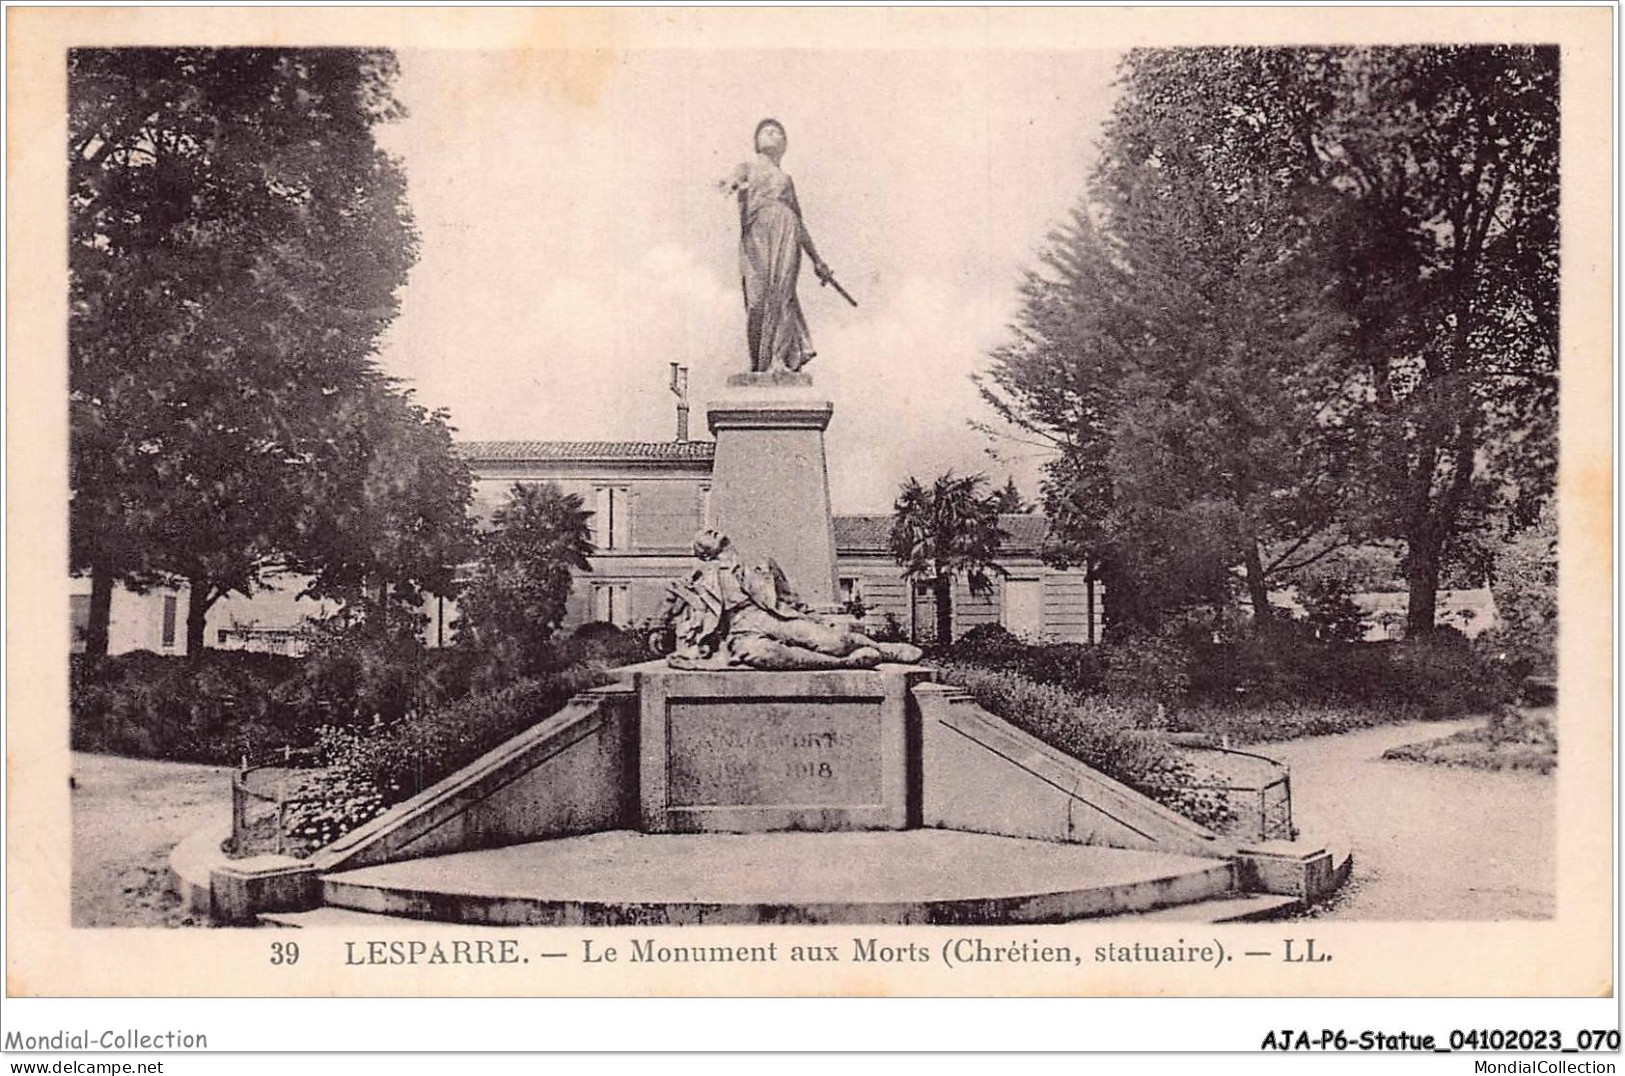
{"x":574,"y":243}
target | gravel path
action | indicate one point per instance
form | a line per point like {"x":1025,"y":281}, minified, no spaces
{"x":127,"y":815}
{"x":1430,"y":842}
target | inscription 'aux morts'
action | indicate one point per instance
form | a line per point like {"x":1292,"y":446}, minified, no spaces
{"x":728,"y":754}
{"x":800,"y":743}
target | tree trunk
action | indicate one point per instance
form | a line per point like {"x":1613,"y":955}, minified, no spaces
{"x":1257,"y":591}
{"x":1431,"y":526}
{"x":944,"y":587}
{"x":1126,"y":613}
{"x":198,"y":602}
{"x":1422,"y":581}
{"x":101,"y":612}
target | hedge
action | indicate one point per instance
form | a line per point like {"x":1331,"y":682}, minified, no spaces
{"x":400,"y":759}
{"x":215,"y":708}
{"x":1439,"y":674}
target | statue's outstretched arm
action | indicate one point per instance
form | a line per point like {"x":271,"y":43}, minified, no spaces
{"x":735,"y":181}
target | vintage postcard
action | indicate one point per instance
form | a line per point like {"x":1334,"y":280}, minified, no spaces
{"x":835,"y":502}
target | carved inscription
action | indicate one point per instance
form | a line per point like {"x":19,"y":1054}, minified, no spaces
{"x":773,"y":753}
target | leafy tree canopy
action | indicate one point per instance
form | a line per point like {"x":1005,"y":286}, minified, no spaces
{"x":1308,"y":299}
{"x":237,"y":241}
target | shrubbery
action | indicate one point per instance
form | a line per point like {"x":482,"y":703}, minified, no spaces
{"x":401,"y":759}
{"x":519,"y":590}
{"x":330,"y":804}
{"x":217,"y":708}
{"x":1078,"y":667}
{"x":1155,"y":666}
{"x":1435,"y":675}
{"x":598,"y":642}
{"x":1265,"y":722}
{"x":388,"y":715}
{"x":370,"y":663}
{"x":1511,"y":740}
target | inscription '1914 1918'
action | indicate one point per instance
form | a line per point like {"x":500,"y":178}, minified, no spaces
{"x":818,"y":769}
{"x":765,"y":753}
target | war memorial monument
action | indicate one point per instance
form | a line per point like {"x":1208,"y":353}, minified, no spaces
{"x":779,"y":766}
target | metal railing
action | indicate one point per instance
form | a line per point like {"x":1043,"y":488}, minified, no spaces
{"x":261,"y":795}
{"x":1258,"y":789}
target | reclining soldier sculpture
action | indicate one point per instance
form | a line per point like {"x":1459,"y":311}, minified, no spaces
{"x":728,"y":616}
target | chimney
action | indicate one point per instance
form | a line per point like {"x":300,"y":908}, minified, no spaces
{"x":679,"y":388}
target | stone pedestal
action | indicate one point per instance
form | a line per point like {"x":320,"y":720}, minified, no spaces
{"x":770,"y":482}
{"x":753,"y":752}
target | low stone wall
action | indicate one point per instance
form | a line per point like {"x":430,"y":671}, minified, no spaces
{"x":190,"y":864}
{"x":569,"y":774}
{"x":982,"y":774}
{"x":1257,"y":788}
{"x":573,"y":772}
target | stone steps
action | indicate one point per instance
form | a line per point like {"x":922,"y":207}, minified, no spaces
{"x":1247,"y":908}
{"x":909,"y":877}
{"x":329,"y":917}
{"x":1237,"y":908}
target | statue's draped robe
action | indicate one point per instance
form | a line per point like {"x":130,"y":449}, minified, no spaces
{"x":769,"y":263}
{"x":728,"y":616}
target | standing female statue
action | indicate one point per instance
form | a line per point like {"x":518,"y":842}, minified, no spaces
{"x":772,"y":236}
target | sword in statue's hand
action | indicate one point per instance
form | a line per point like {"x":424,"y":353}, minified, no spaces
{"x":827,"y":276}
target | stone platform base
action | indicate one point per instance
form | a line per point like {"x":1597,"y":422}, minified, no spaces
{"x":916,"y":876}
{"x":686,"y":797}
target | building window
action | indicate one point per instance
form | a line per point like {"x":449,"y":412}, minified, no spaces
{"x":705,"y":507}
{"x":171,"y":607}
{"x":1024,"y":607}
{"x":612,"y":603}
{"x":612,"y":519}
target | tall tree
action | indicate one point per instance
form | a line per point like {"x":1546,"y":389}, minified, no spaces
{"x":1449,"y":156}
{"x":948,"y":531}
{"x":1060,"y":380}
{"x":1436,"y":171}
{"x":1321,"y":285}
{"x":237,"y":239}
{"x":1007,"y":499}
{"x":1174,"y":345}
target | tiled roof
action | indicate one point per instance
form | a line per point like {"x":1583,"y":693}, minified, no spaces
{"x":872,"y":534}
{"x":589,"y":451}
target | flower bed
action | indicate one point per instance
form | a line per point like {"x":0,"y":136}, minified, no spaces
{"x":1510,"y":740}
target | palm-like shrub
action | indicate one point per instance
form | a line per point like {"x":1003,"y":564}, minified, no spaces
{"x":515,"y":599}
{"x":944,"y":532}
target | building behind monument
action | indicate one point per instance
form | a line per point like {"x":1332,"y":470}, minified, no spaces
{"x":648,"y":498}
